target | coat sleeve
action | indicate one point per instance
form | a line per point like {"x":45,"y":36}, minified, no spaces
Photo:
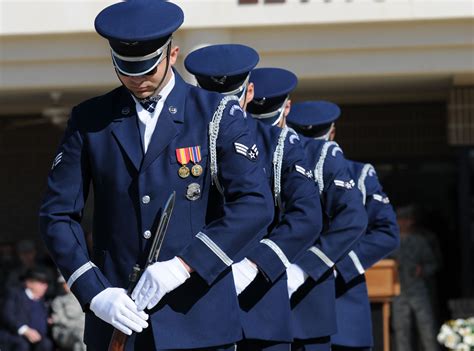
{"x":12,"y":319}
{"x":247,"y":207}
{"x":344,"y":211}
{"x":300,"y":219}
{"x":382,"y":236}
{"x":61,"y":213}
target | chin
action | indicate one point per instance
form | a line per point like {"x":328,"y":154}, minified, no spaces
{"x":143,"y":94}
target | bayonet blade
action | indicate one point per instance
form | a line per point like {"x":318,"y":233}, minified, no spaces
{"x":161,"y":230}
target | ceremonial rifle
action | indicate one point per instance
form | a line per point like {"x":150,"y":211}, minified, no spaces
{"x":119,"y":339}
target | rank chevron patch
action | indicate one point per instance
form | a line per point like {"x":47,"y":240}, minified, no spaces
{"x":303,"y":171}
{"x":348,"y":185}
{"x":57,"y":160}
{"x":249,"y":152}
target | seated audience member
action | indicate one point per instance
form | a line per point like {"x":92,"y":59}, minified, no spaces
{"x":68,"y":321}
{"x":24,"y":316}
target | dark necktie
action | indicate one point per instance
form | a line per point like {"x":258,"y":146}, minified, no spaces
{"x":149,"y":103}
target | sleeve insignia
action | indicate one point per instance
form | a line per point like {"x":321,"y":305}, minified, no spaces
{"x":348,"y":185}
{"x":249,"y":152}
{"x":305,"y":172}
{"x":57,"y":160}
{"x":380,"y":198}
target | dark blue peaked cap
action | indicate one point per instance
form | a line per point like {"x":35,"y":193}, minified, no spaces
{"x":272,"y":87}
{"x":313,"y":113}
{"x":223,"y":68}
{"x":313,"y":118}
{"x":137,"y":31}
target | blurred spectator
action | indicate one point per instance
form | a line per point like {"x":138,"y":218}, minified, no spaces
{"x":413,"y":308}
{"x":68,"y":321}
{"x":24,"y":316}
{"x":7,"y":262}
{"x":26,"y":259}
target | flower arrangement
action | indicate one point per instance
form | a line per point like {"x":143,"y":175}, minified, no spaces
{"x":457,"y":334}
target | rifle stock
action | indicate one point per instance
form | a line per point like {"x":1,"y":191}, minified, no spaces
{"x":118,"y":341}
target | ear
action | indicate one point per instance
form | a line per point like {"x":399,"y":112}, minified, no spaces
{"x":287,"y":108}
{"x":332,"y":134}
{"x":250,"y":93}
{"x":174,"y":54}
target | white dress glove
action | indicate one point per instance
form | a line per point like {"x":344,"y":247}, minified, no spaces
{"x":244,"y":273}
{"x":159,"y":279}
{"x":115,"y":307}
{"x":296,"y":278}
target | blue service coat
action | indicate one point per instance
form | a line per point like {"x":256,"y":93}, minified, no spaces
{"x":265,"y":305}
{"x":381,"y":238}
{"x":344,"y":221}
{"x":102,"y":147}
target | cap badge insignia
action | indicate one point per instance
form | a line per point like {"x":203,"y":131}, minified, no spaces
{"x":219,"y":80}
{"x":259,"y":102}
{"x":133,"y":43}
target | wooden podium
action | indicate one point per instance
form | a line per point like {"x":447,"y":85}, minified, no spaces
{"x":383,"y":285}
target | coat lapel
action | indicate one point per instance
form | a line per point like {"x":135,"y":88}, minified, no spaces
{"x":125,"y":129}
{"x":169,"y":122}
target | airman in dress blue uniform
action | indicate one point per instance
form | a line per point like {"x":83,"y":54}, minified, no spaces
{"x":265,"y":309}
{"x":311,"y":279}
{"x":354,"y":325}
{"x":136,"y":145}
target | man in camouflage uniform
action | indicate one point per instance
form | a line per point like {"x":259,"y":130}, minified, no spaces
{"x":417,"y":263}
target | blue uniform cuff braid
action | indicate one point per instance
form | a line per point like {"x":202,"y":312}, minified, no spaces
{"x":312,"y":265}
{"x":267,"y":261}
{"x":347,"y":269}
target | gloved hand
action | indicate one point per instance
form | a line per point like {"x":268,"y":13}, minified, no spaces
{"x":159,"y":279}
{"x":115,"y":307}
{"x":244,"y":273}
{"x":296,"y":278}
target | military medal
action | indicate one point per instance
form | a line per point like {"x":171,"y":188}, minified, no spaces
{"x":183,"y":157}
{"x":195,"y":156}
{"x":183,"y":172}
{"x":196,"y":170}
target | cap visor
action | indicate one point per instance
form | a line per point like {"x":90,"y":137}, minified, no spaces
{"x":136,"y":68}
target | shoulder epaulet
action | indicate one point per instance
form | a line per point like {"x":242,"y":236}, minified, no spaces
{"x":213,"y":134}
{"x":318,"y":170}
{"x":277,"y":164}
{"x":368,"y":169}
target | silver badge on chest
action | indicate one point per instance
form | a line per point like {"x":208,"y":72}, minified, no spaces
{"x":193,"y":192}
